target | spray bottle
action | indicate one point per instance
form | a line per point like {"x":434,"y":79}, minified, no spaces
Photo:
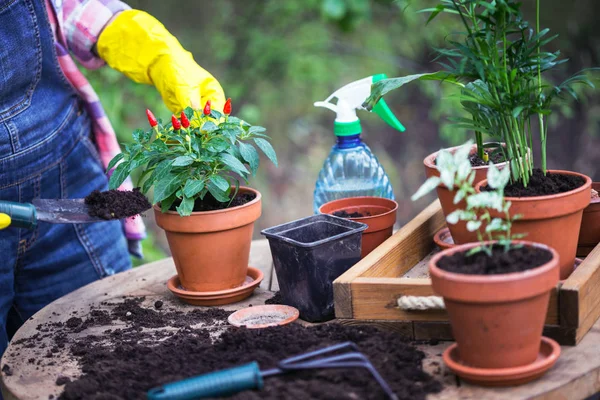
{"x":352,"y":170}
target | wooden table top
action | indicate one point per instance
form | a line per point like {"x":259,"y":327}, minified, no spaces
{"x":575,"y":376}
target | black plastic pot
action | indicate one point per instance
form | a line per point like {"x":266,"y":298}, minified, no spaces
{"x":309,"y":254}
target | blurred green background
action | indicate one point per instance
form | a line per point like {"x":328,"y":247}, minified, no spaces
{"x":274,"y":58}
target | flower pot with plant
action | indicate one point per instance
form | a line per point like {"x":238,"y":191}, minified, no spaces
{"x":496,"y":290}
{"x":194,"y":165}
{"x":377,"y":212}
{"x":499,"y":64}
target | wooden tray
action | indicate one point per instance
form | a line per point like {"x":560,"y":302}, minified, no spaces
{"x":369,"y":291}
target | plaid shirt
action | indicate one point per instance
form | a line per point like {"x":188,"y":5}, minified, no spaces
{"x":76,"y":25}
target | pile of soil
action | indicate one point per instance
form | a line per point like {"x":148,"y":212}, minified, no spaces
{"x":542,"y":185}
{"x":209,"y":203}
{"x":477,"y":161}
{"x":276,"y":299}
{"x":116,"y":204}
{"x":501,"y":262}
{"x":128,"y":360}
{"x":356,"y":214}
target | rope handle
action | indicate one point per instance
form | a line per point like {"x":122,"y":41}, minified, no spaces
{"x":421,"y":303}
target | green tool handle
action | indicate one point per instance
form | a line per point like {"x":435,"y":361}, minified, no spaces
{"x":215,"y":384}
{"x":22,"y":215}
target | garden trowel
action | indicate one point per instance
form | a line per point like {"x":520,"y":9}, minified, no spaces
{"x":56,"y":211}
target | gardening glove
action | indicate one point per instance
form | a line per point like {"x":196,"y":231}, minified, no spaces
{"x":135,"y":248}
{"x":139,"y":46}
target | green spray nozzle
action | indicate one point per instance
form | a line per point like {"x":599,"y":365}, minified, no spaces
{"x":349,"y":99}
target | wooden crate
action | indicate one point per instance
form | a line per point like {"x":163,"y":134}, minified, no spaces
{"x":369,"y":291}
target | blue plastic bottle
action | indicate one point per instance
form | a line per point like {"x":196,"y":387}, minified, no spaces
{"x":351,"y":169}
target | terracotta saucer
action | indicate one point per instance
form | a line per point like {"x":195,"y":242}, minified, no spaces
{"x":443,"y":239}
{"x":264,"y":316}
{"x":549,"y":352}
{"x":217,"y":298}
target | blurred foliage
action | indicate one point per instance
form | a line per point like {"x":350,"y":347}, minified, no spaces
{"x":275,"y":58}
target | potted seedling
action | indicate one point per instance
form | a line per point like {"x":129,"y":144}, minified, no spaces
{"x":499,"y":63}
{"x":496,"y":290}
{"x":194,"y":165}
{"x":377,"y":212}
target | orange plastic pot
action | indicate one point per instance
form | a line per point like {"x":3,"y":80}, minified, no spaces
{"x":553,"y":220}
{"x":379,"y":214}
{"x":459,"y":231}
{"x":497,"y":320}
{"x":589,"y":233}
{"x":211,"y":248}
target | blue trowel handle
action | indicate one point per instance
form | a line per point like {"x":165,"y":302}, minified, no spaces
{"x":22,"y":215}
{"x":215,"y":384}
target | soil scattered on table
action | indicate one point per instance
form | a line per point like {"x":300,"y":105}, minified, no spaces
{"x":209,"y":203}
{"x":502,"y":262}
{"x":133,"y":356}
{"x":116,"y":204}
{"x":276,"y":299}
{"x":542,"y":185}
{"x":346,"y":214}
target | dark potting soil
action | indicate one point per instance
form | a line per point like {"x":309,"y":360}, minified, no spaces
{"x":128,"y":360}
{"x":476,"y":161}
{"x":356,"y":214}
{"x":116,"y":204}
{"x":209,"y":203}
{"x":501,"y":262}
{"x":276,"y":299}
{"x":541,"y":185}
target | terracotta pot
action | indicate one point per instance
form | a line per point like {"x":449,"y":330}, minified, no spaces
{"x":380,"y":216}
{"x":497,"y":320}
{"x":211,"y":248}
{"x":553,"y":220}
{"x":589,"y":233}
{"x":459,"y":231}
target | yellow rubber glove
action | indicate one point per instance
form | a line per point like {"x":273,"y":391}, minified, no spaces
{"x":138,"y":45}
{"x":4,"y":221}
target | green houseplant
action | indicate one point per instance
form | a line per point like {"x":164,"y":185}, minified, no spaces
{"x":194,"y":165}
{"x":496,"y":290}
{"x":499,"y":65}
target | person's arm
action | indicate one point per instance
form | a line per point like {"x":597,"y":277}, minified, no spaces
{"x":138,"y":45}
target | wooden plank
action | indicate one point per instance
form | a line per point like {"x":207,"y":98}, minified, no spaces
{"x":433,"y":330}
{"x":376,"y":298}
{"x":390,"y":255}
{"x":579,"y":299}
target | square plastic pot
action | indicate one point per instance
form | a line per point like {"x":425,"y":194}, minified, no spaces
{"x":309,"y":254}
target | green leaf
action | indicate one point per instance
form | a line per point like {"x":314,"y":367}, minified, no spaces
{"x":192,"y":188}
{"x":183,"y":161}
{"x":186,"y":206}
{"x":114,"y":161}
{"x":250,"y":155}
{"x":217,"y":193}
{"x":142,"y":136}
{"x":472,"y":226}
{"x":189,"y":112}
{"x":217,"y":145}
{"x":209,"y":126}
{"x":119,"y":175}
{"x":429,"y":185}
{"x":233,"y":163}
{"x":166,"y":204}
{"x":334,"y":9}
{"x":166,"y":186}
{"x":497,"y":179}
{"x":256,"y":129}
{"x":220,"y":182}
{"x":266,"y":147}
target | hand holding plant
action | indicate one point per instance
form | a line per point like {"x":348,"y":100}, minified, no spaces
{"x":456,"y":174}
{"x":203,"y":152}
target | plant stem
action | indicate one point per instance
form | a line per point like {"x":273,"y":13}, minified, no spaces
{"x":539,"y":73}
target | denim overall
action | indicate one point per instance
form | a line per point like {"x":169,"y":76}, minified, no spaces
{"x":46,"y":151}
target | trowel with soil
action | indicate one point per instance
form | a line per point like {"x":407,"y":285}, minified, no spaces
{"x":98,"y":206}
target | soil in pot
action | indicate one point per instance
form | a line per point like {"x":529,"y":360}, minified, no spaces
{"x":209,"y":203}
{"x":477,"y":161}
{"x":126,"y":361}
{"x":355,"y":214}
{"x":116,"y":204}
{"x":501,"y":261}
{"x":542,"y":185}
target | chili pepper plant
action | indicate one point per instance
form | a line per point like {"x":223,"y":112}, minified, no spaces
{"x":204,"y":152}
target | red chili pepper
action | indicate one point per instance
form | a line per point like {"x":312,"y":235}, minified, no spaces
{"x":227,"y":107}
{"x":185,"y":122}
{"x":151,"y":118}
{"x":207,"y":108}
{"x":176,"y":123}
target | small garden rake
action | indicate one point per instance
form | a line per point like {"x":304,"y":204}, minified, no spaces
{"x":249,"y":376}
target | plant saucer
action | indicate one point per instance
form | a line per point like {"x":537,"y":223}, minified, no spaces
{"x":217,"y":298}
{"x":264,"y":316}
{"x":549,"y":352}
